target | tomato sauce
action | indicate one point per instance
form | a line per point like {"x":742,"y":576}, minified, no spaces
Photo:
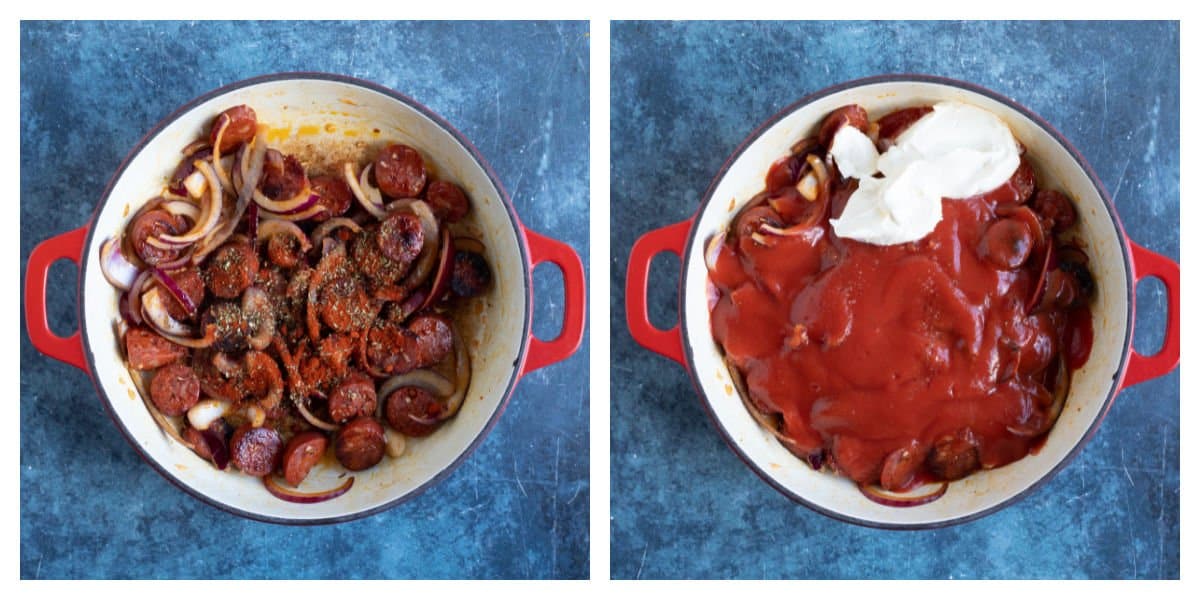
{"x":873,"y":354}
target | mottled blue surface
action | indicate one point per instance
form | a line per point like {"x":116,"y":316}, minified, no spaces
{"x":684,"y":96}
{"x":517,"y":508}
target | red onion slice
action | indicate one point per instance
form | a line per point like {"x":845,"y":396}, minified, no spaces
{"x":304,"y":215}
{"x":305,"y":497}
{"x":1039,"y":287}
{"x":195,"y":147}
{"x":218,"y":448}
{"x":116,"y":268}
{"x":195,"y":184}
{"x":462,"y":374}
{"x":222,"y":233}
{"x":373,"y":202}
{"x":312,"y":419}
{"x":296,"y":204}
{"x":252,"y":224}
{"x":205,"y":412}
{"x":176,"y":292}
{"x":274,"y":226}
{"x":469,"y":244}
{"x":154,"y":310}
{"x":210,"y":214}
{"x":425,"y":379}
{"x":445,"y":269}
{"x":324,"y":229}
{"x":184,"y":208}
{"x":877,"y":495}
{"x":713,"y":250}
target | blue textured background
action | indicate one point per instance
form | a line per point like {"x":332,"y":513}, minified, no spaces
{"x":517,"y":508}
{"x":684,"y":95}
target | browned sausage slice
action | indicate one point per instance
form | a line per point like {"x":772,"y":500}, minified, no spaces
{"x":231,"y":269}
{"x":360,"y":444}
{"x":371,"y":262}
{"x":954,"y":456}
{"x":401,"y":237}
{"x":413,"y":411}
{"x":283,"y":250}
{"x":335,"y":196}
{"x":147,"y":350}
{"x":896,"y":122}
{"x":424,"y":343}
{"x":302,"y":453}
{"x":471,"y":275}
{"x":344,"y":304}
{"x":1056,"y":209}
{"x":242,"y":125}
{"x":353,"y":397}
{"x":447,"y":201}
{"x":283,"y":176}
{"x":175,"y":389}
{"x":233,"y":330}
{"x":1006,"y":244}
{"x":400,"y":171}
{"x":199,"y":444}
{"x":851,"y":114}
{"x":154,"y":223}
{"x":255,"y":450}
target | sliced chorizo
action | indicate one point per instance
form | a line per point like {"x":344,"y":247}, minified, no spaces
{"x":1006,"y":244}
{"x":366,"y":257}
{"x":283,"y":250}
{"x":334,"y":195}
{"x":191,"y":283}
{"x":401,"y":237}
{"x":231,"y":269}
{"x":155,"y":223}
{"x":353,"y":397}
{"x":147,"y":350}
{"x":302,"y":453}
{"x":255,"y":451}
{"x":232,"y":328}
{"x":283,"y":176}
{"x":471,"y":275}
{"x":199,"y":444}
{"x":896,"y":122}
{"x":954,"y":456}
{"x":400,"y":171}
{"x":1055,"y":209}
{"x":851,"y":114}
{"x":413,"y":411}
{"x":447,"y":201}
{"x":175,"y":389}
{"x":425,"y":342}
{"x":360,"y":444}
{"x":344,"y":305}
{"x":242,"y":125}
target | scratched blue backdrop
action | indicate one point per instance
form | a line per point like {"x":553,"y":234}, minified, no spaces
{"x":517,"y":508}
{"x":683,"y":96}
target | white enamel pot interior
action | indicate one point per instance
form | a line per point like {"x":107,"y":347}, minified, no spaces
{"x":343,"y":118}
{"x":1093,"y":388}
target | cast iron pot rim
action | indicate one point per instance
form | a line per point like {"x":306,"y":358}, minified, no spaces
{"x":89,"y":355}
{"x":901,"y":78}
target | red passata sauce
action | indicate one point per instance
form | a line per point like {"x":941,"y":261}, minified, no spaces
{"x":909,"y":363}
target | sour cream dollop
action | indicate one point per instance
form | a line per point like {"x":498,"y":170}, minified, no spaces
{"x":955,"y":151}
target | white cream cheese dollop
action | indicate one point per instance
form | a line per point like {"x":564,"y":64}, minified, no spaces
{"x":955,"y":151}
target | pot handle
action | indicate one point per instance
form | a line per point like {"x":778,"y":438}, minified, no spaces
{"x":542,"y":353}
{"x":671,"y":238}
{"x":68,"y":245}
{"x":1141,"y":368}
